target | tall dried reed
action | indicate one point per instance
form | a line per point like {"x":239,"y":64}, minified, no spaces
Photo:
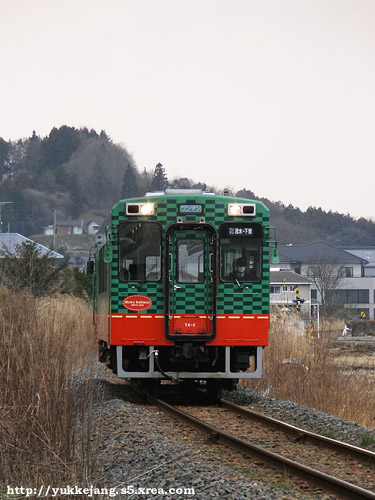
{"x":43,"y":342}
{"x":302,"y":368}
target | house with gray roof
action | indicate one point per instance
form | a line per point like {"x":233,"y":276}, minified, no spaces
{"x":286,"y":287}
{"x":354,"y":289}
{"x":11,"y":241}
{"x":301,"y":258}
{"x":367,"y":254}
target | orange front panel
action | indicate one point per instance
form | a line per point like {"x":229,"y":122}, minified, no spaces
{"x":190,"y":324}
{"x":138,"y":329}
{"x":241,"y":329}
{"x":148,"y":329}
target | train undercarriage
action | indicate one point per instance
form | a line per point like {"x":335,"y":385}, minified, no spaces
{"x":216,"y":367}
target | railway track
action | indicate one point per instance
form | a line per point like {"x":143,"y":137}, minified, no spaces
{"x":343,"y":469}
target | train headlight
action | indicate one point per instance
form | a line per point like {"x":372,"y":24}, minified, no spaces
{"x":147,"y":209}
{"x":244,"y":209}
{"x":234,"y":209}
{"x":140,"y":209}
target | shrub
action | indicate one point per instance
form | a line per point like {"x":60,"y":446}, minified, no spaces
{"x":27,"y":270}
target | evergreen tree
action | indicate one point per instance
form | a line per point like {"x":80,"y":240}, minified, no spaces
{"x":26,"y":269}
{"x":181,"y":183}
{"x":129,"y":186}
{"x":33,"y":153}
{"x":60,"y":144}
{"x":104,"y":136}
{"x":4,"y":156}
{"x":159,"y":179}
{"x":144,"y":182}
{"x":246,"y":193}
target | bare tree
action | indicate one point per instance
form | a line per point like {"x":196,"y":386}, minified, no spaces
{"x":327,"y":274}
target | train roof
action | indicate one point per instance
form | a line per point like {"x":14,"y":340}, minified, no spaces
{"x":196,"y":193}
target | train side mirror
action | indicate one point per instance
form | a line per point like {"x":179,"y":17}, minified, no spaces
{"x":90,"y":267}
{"x":107,"y":253}
{"x":275,"y":255}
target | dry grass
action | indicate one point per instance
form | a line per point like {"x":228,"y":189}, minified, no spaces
{"x":43,"y":342}
{"x":303,"y":369}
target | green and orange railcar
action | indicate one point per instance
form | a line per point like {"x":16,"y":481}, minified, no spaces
{"x":181,"y":287}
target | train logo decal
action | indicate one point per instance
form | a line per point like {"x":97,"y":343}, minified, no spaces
{"x":137,"y":302}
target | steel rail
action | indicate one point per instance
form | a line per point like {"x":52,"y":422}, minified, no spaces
{"x":302,"y":434}
{"x":335,"y":485}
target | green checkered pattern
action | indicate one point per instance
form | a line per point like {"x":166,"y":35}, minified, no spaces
{"x":231,"y":300}
{"x":192,"y":298}
{"x":192,"y":301}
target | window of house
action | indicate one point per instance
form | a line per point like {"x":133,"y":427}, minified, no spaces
{"x":347,"y":272}
{"x":312,"y":272}
{"x":275,"y":289}
{"x":352,"y":296}
{"x":363,"y":296}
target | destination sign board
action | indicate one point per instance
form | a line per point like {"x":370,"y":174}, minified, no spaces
{"x":190,"y":209}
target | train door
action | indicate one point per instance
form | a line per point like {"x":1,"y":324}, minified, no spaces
{"x":190,"y":282}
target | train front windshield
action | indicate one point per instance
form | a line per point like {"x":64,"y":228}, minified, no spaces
{"x":140,"y":250}
{"x":241,"y":252}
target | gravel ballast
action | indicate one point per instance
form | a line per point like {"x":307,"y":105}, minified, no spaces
{"x":141,"y":453}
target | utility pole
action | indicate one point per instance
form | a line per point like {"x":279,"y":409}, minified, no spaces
{"x":3,"y":203}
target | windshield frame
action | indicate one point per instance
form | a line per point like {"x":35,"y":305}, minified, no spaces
{"x":241,"y":244}
{"x":137,"y":263}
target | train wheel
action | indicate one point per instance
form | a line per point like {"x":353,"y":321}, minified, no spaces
{"x":214,"y":390}
{"x":230,"y":384}
{"x":188,"y":387}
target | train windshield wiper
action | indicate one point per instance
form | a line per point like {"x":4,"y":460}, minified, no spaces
{"x":236,"y":280}
{"x":139,"y":286}
{"x":147,"y":274}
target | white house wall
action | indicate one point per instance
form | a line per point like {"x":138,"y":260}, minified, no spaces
{"x":360,"y":284}
{"x":285,"y":298}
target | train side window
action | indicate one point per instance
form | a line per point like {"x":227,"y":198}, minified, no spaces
{"x":102,"y":272}
{"x":140,"y":251}
{"x":241,"y":252}
{"x":190,"y":261}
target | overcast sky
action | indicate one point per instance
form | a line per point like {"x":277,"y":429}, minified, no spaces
{"x":276,"y":96}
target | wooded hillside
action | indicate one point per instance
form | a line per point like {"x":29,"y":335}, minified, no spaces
{"x":81,"y":173}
